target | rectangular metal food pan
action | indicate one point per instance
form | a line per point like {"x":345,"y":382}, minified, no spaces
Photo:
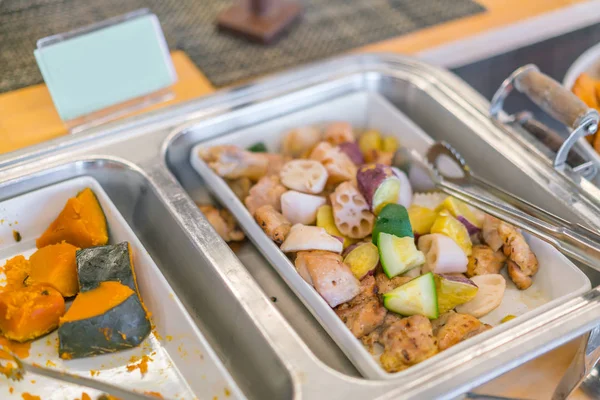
{"x":178,"y":351}
{"x":266,"y":338}
{"x":366,"y":111}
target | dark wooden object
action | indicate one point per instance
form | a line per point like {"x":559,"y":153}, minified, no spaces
{"x":259,"y":20}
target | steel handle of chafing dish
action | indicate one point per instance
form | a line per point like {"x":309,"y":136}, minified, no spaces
{"x":576,"y":158}
{"x":555,"y":100}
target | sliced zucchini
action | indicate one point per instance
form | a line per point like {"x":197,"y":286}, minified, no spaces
{"x":417,"y":297}
{"x":103,"y":320}
{"x":398,"y":255}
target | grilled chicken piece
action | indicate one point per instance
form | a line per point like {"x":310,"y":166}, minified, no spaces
{"x":300,"y":141}
{"x":307,"y":238}
{"x":521,"y":278}
{"x":482,"y":328}
{"x":490,"y":233}
{"x":301,"y":264}
{"x":385,"y":284}
{"x":407,"y":342}
{"x":275,"y":225}
{"x":222,"y":222}
{"x":522,"y":264}
{"x":484,"y":260}
{"x":452,"y":328}
{"x":331,"y":278}
{"x":477,"y":238}
{"x":232,"y":162}
{"x":373,"y":338}
{"x":364,"y":313}
{"x":241,"y":187}
{"x":338,"y":133}
{"x":338,"y":165}
{"x":375,"y":156}
{"x":276,"y":162}
{"x":267,"y":191}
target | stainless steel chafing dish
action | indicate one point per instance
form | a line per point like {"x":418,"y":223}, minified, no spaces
{"x":277,"y":349}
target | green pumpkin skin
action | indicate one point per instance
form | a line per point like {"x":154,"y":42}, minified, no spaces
{"x":104,"y":263}
{"x":122,"y":327}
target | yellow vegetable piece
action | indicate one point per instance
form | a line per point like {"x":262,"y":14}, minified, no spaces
{"x":507,"y":318}
{"x":368,"y":141}
{"x":386,"y":193}
{"x":447,"y":225}
{"x":326,"y":221}
{"x":459,"y":209}
{"x":421,"y":219}
{"x":389,"y":144}
{"x":362,"y":259}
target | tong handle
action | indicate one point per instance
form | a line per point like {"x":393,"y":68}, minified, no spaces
{"x":578,"y":246}
{"x":552,"y":97}
{"x":63,"y":376}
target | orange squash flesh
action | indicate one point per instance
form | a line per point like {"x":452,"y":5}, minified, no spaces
{"x":55,"y":265}
{"x":97,"y":301}
{"x":81,"y":223}
{"x":16,"y":270}
{"x":30,"y":312}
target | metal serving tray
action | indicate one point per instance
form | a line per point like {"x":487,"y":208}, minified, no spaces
{"x":365,"y":111}
{"x":276,"y":349}
{"x":179,"y":353}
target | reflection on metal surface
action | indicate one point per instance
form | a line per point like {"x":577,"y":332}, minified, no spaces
{"x":275,"y":352}
{"x":553,"y":99}
{"x":581,"y":367}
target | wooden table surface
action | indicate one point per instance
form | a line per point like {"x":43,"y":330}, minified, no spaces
{"x":27,"y":116}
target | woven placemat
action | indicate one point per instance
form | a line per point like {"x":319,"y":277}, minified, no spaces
{"x":327,"y":28}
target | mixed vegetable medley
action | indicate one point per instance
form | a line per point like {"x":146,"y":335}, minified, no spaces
{"x":74,"y":261}
{"x":410,"y":274}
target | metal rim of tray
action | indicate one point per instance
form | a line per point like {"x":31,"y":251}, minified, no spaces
{"x":452,"y":376}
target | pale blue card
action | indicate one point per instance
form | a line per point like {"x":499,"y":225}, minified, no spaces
{"x":104,"y":67}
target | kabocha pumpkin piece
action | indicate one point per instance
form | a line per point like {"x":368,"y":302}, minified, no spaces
{"x":55,"y":265}
{"x":81,"y":223}
{"x":107,"y":312}
{"x":103,"y":320}
{"x":16,"y":270}
{"x":30,"y":312}
{"x":105,"y":263}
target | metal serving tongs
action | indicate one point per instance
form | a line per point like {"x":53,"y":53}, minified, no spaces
{"x":576,"y":241}
{"x":13,"y":368}
{"x":470,"y":179}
